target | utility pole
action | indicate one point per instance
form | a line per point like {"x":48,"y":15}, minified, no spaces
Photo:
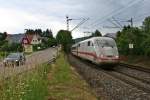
{"x":67,"y":20}
{"x":131,"y":22}
{"x":78,"y":25}
{"x":67,"y":23}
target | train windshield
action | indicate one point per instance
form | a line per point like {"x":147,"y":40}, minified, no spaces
{"x":106,"y":43}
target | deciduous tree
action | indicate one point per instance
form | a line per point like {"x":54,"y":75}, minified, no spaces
{"x":64,"y":38}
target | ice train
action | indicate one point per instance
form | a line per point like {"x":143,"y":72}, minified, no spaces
{"x":100,"y":50}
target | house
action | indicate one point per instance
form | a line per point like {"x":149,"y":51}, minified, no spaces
{"x":32,"y":39}
{"x":36,"y":39}
{"x":29,"y":40}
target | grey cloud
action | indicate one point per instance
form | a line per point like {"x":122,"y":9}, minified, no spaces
{"x":96,"y":10}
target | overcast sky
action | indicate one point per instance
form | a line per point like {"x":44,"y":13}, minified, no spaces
{"x":17,"y":15}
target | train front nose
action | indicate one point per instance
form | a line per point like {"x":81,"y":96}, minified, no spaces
{"x":109,"y":55}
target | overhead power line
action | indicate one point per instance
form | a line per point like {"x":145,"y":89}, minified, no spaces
{"x":131,"y":3}
{"x":117,"y":22}
{"x":113,"y":23}
{"x":83,"y":21}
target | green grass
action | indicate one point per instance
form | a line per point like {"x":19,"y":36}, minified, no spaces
{"x":3,"y":54}
{"x":28,"y":86}
{"x":66,"y":84}
{"x":58,"y":81}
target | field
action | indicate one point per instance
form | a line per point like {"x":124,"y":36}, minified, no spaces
{"x":30,"y":85}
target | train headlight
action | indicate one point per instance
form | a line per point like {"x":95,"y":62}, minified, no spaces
{"x":101,"y":55}
{"x":116,"y":56}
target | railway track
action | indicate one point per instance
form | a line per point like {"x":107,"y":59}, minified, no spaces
{"x":137,"y":82}
{"x":140,"y":83}
{"x":134,"y":81}
{"x":127,"y":78}
{"x":143,"y":70}
{"x":130,"y":80}
{"x":140,"y":68}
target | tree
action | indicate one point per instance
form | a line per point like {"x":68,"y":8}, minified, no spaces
{"x":129,"y":35}
{"x":3,"y":36}
{"x":96,"y":33}
{"x":118,"y":34}
{"x":39,"y":32}
{"x":64,"y":38}
{"x":11,"y":47}
{"x":146,"y":25}
{"x":48,"y":33}
{"x":146,"y":32}
{"x":52,"y":42}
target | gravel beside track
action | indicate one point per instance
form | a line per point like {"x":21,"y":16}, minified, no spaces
{"x":137,"y":74}
{"x":105,"y":85}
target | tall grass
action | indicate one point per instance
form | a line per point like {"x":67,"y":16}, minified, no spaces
{"x":31,"y":85}
{"x":66,"y":84}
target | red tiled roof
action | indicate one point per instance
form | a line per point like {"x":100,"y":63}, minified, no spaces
{"x":28,"y":38}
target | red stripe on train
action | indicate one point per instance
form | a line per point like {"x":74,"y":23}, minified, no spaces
{"x":94,"y":55}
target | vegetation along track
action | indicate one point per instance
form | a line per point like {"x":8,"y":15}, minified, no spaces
{"x":116,"y":80}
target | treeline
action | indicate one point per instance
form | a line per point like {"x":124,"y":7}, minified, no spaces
{"x":48,"y":39}
{"x":138,"y":36}
{"x":47,"y":33}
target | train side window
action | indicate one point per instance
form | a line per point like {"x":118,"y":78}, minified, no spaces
{"x":89,"y":43}
{"x":92,"y":44}
{"x":79,"y":45}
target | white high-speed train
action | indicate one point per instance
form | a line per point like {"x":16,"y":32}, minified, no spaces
{"x":100,"y":50}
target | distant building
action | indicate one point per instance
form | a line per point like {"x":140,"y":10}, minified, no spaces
{"x":14,"y":38}
{"x":80,"y":39}
{"x":111,"y":35}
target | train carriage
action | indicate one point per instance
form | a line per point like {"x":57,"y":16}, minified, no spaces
{"x":100,"y":50}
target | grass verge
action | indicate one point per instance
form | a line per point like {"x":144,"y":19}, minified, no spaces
{"x":30,"y":85}
{"x":66,"y":84}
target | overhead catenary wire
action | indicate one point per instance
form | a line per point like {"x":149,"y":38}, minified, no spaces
{"x":83,"y":21}
{"x":117,"y":22}
{"x":111,"y":13}
{"x":114,"y":12}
